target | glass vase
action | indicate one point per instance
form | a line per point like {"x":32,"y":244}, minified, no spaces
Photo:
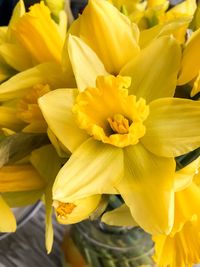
{"x":98,"y":245}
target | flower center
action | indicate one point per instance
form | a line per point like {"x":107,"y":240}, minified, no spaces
{"x":63,"y":209}
{"x":109,"y":114}
{"x":119,"y":124}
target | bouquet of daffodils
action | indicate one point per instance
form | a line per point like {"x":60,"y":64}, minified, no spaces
{"x":105,"y":105}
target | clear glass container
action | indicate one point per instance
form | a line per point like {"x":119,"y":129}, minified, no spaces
{"x":107,"y":246}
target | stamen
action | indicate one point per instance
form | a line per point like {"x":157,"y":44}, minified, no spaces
{"x":119,"y":124}
{"x":64,"y":209}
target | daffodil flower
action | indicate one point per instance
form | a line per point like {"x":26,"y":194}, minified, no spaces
{"x":190,"y":66}
{"x":124,"y":134}
{"x":181,"y":246}
{"x":154,"y":16}
{"x":31,"y":38}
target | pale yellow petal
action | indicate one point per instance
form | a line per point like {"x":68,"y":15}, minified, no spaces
{"x":177,"y":28}
{"x":154,"y":71}
{"x":20,"y":177}
{"x":94,"y":168}
{"x":184,"y":177}
{"x":190,"y":64}
{"x":15,"y":56}
{"x":38,"y":34}
{"x":84,"y":60}
{"x":184,"y":9}
{"x":46,"y":73}
{"x":147,"y":189}
{"x":196,"y":86}
{"x":48,"y":168}
{"x":8,"y":118}
{"x":56,"y":107}
{"x":107,"y":31}
{"x":82,"y":209}
{"x":187,"y":205}
{"x":18,"y":12}
{"x":119,"y":217}
{"x":7,"y":219}
{"x":173,"y":127}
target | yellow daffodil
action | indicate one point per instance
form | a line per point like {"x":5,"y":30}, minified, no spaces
{"x":181,"y":247}
{"x":190,"y":66}
{"x":31,"y":38}
{"x":134,"y":130}
{"x":106,"y":31}
{"x":18,"y":96}
{"x":154,"y":18}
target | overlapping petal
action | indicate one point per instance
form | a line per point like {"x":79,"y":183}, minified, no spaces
{"x":83,"y":208}
{"x":119,"y":217}
{"x":190,"y":64}
{"x":84,"y":60}
{"x":173,"y":127}
{"x":46,"y":73}
{"x":147,"y":188}
{"x":38,"y":34}
{"x":56,"y":107}
{"x":94,"y":168}
{"x":154,"y":71}
{"x":106,"y":31}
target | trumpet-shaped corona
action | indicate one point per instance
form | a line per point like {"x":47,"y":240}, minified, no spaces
{"x":109,"y":114}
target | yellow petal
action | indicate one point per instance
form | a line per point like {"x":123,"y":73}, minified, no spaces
{"x":181,"y":250}
{"x":85,"y":174}
{"x":184,"y":177}
{"x":8,"y":118}
{"x":106,"y":31}
{"x":177,"y":28}
{"x":173,"y":127}
{"x":3,"y":31}
{"x":84,"y":60}
{"x":147,"y":189}
{"x":38,"y":34}
{"x":18,"y":12}
{"x":80,"y":209}
{"x":48,"y":169}
{"x":190,"y":64}
{"x":119,"y":217}
{"x":20,"y":178}
{"x":56,"y":107}
{"x":5,"y":71}
{"x":196,"y":86}
{"x":15,"y":56}
{"x":187,"y":205}
{"x":55,"y":6}
{"x":46,"y":73}
{"x":155,"y":69}
{"x":7,"y":219}
{"x":186,"y":8}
